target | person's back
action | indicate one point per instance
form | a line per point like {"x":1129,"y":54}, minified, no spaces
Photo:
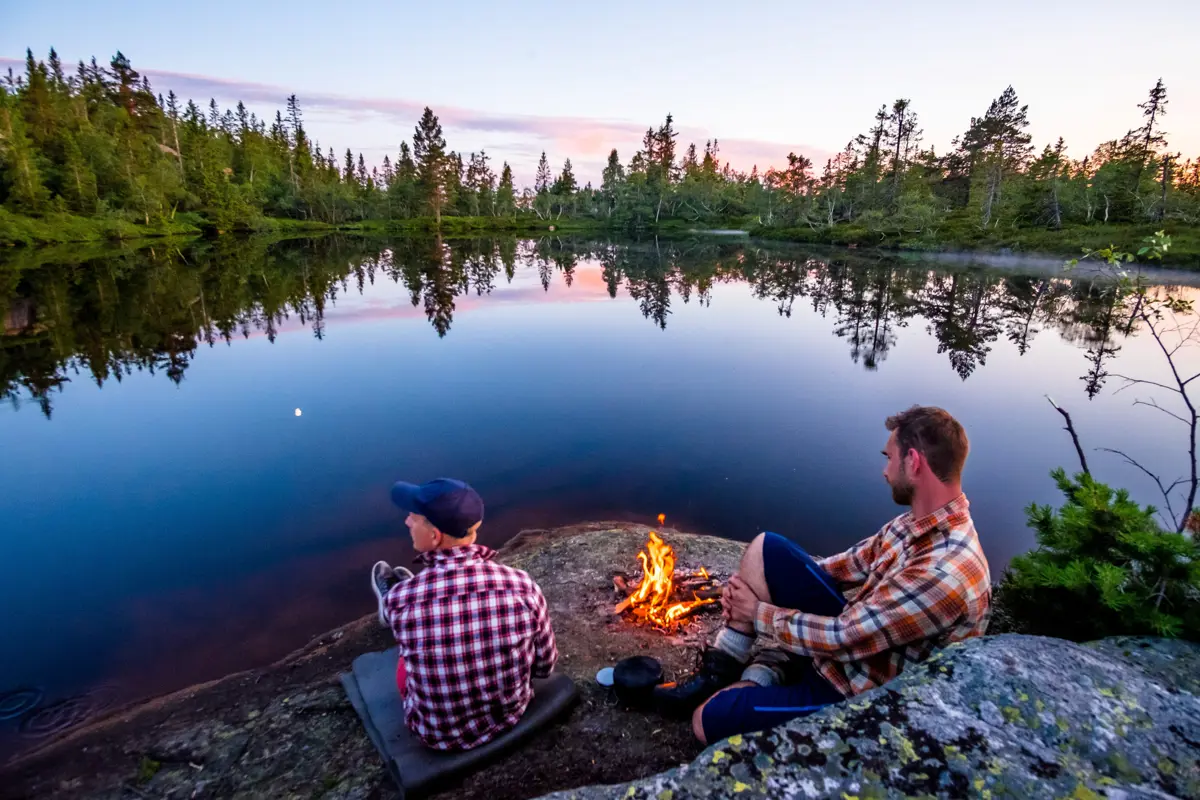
{"x":472,"y":633}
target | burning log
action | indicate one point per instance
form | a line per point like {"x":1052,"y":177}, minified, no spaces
{"x":656,"y":599}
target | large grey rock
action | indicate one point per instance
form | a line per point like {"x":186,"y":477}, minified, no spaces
{"x":1015,"y":716}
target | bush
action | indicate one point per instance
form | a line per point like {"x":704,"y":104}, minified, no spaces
{"x":1103,"y":567}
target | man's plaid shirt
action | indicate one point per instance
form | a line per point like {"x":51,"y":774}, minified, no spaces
{"x":917,"y":585}
{"x":472,"y":633}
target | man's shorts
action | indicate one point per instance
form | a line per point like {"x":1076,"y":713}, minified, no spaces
{"x":795,"y":581}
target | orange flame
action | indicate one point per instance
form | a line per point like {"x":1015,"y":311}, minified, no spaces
{"x":652,"y":600}
{"x":662,"y":519}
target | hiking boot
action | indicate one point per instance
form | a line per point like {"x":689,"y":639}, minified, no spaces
{"x":717,"y":670}
{"x":383,"y":577}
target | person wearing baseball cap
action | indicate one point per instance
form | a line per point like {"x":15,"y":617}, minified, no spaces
{"x":472,"y":633}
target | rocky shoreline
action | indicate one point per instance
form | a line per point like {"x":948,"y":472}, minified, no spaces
{"x":998,"y":716}
{"x":288,"y":730}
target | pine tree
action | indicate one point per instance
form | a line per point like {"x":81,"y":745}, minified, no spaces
{"x":56,"y":72}
{"x":901,"y":137}
{"x":506,"y":196}
{"x":612,"y":181}
{"x":565,"y":184}
{"x":429,"y":152}
{"x":664,"y":150}
{"x":541,"y":180}
{"x":691,"y":162}
{"x":1149,"y":138}
{"x":1153,"y":109}
{"x":22,"y":176}
{"x":1103,"y":567}
{"x":997,"y":147}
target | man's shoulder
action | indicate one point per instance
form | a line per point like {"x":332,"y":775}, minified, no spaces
{"x":955,"y":552}
{"x":510,"y":577}
{"x":475,"y":575}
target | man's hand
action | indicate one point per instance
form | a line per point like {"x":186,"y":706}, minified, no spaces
{"x":739,"y":603}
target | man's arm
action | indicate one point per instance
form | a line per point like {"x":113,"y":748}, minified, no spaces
{"x":545,"y":651}
{"x":918,"y":603}
{"x":852,"y":567}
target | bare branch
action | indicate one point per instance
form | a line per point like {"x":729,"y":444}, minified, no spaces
{"x":1154,"y":404}
{"x":1134,"y":381}
{"x":1074,"y":437}
{"x":1157,"y":480}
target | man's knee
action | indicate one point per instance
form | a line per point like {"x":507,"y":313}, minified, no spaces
{"x":753,"y":568}
{"x":698,"y":724}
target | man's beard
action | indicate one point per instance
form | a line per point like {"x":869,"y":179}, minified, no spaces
{"x":902,"y":492}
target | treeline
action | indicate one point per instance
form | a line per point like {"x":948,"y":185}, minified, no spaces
{"x":98,"y":142}
{"x":151,"y":310}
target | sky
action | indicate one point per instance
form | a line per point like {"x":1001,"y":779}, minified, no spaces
{"x":575,"y":79}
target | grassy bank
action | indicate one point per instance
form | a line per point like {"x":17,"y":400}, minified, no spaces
{"x":962,"y":235}
{"x":954,"y":234}
{"x":62,"y":228}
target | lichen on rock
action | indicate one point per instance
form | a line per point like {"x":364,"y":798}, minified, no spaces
{"x":1010,"y":715}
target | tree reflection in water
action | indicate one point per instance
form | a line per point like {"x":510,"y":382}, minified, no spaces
{"x":150,"y":309}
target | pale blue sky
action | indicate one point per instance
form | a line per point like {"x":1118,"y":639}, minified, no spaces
{"x":763,"y":77}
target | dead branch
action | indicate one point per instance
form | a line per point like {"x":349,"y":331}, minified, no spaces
{"x":1164,"y":490}
{"x":1074,"y":436}
{"x":1152,"y":403}
{"x":1135,"y":381}
{"x":1195,"y":418}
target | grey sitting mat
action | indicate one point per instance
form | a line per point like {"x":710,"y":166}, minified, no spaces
{"x":371,"y":687}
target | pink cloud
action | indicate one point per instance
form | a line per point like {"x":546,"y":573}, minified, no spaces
{"x":586,"y":141}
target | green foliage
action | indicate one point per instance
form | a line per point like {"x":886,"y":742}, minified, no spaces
{"x":100,"y":144}
{"x":1103,"y":567}
{"x":147,"y":769}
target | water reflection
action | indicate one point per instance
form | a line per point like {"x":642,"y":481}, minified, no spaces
{"x":151,"y":310}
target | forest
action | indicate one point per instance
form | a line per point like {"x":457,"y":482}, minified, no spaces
{"x":93,"y":152}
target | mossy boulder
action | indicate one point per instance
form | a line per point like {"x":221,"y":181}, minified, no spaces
{"x":1011,"y":715}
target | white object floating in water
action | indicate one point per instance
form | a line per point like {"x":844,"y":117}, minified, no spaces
{"x":605,"y":676}
{"x":298,"y":412}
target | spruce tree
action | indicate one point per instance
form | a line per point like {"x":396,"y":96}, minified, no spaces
{"x":565,"y":184}
{"x":541,"y":180}
{"x":429,"y":152}
{"x":20,"y":169}
{"x":506,"y":196}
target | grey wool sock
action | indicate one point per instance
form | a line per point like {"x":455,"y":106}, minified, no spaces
{"x":734,"y":643}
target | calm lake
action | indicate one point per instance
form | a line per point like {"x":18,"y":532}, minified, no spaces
{"x":197,"y":444}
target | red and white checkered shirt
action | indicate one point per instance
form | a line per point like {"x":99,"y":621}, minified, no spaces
{"x":917,"y":585}
{"x":472,"y":633}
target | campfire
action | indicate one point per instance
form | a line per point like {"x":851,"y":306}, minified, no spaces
{"x":663,"y":598}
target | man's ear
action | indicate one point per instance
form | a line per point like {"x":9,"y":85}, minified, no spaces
{"x":913,"y":461}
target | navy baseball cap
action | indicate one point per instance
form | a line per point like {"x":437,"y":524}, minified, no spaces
{"x":451,"y":505}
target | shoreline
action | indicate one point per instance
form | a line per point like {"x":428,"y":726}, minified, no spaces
{"x":287,"y":726}
{"x":990,"y":248}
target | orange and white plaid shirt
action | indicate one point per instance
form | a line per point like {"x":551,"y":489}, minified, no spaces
{"x":917,"y":585}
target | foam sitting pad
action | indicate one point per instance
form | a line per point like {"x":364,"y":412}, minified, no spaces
{"x":371,"y":687}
